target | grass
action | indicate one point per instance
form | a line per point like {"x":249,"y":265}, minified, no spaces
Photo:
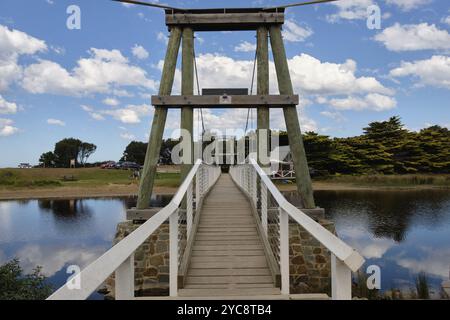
{"x":380,"y":180}
{"x":393,"y":180}
{"x":89,"y":177}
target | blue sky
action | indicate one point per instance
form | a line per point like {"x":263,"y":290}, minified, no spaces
{"x":94,"y":84}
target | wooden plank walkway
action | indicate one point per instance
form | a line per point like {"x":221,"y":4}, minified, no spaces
{"x":228,"y":257}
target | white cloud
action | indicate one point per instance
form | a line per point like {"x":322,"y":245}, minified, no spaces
{"x":102,"y":72}
{"x":310,"y":75}
{"x":53,"y":259}
{"x":245,"y":46}
{"x":127,"y":136}
{"x":140,"y":52}
{"x":7,"y":128}
{"x":7,"y":107}
{"x":446,"y":20}
{"x":161,"y":36}
{"x":334,"y":115}
{"x":13,"y":44}
{"x":292,"y":32}
{"x":56,"y":122}
{"x":372,"y":101}
{"x":350,"y":10}
{"x":433,"y":72}
{"x":131,"y":114}
{"x":407,"y":5}
{"x":111,"y":102}
{"x":414,"y":37}
{"x":94,"y":115}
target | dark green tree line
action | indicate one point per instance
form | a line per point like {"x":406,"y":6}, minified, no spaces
{"x":385,"y":147}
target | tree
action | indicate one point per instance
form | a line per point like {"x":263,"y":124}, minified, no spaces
{"x":47,"y":159}
{"x":135,"y":152}
{"x":66,"y":150}
{"x":14,"y":285}
{"x":86,"y":150}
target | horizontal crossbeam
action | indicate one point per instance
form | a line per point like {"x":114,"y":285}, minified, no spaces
{"x":224,"y":21}
{"x":226,"y":101}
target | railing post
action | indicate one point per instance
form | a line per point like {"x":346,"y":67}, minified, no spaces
{"x":264,"y":204}
{"x":341,"y":280}
{"x":255,"y":187}
{"x":173,"y":254}
{"x":197,"y":187}
{"x":189,"y":210}
{"x":284,"y":251}
{"x":124,"y":281}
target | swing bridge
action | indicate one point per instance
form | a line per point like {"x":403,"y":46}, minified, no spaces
{"x":228,"y":231}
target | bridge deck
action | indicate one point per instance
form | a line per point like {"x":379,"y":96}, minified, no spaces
{"x":228,"y":257}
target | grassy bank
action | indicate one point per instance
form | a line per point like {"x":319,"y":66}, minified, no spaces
{"x":89,"y":177}
{"x":392,"y":180}
{"x":94,"y":182}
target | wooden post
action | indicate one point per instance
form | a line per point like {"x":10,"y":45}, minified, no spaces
{"x":263,"y":113}
{"x":173,"y":254}
{"x":159,"y":121}
{"x":284,"y":251}
{"x":187,"y":88}
{"x":125,"y":280}
{"x":303,"y":179}
{"x":341,"y":280}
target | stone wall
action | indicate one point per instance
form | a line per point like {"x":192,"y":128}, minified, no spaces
{"x":310,"y":262}
{"x":151,"y":262}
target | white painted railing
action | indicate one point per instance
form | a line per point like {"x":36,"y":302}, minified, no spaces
{"x":344,"y":259}
{"x":120,"y":258}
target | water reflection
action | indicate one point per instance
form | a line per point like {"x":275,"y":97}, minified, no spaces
{"x":57,"y":233}
{"x":402,"y":232}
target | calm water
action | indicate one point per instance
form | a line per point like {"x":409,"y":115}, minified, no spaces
{"x":402,"y":232}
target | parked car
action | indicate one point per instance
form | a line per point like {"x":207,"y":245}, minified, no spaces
{"x":25,"y":166}
{"x":108,"y":165}
{"x":125,"y":165}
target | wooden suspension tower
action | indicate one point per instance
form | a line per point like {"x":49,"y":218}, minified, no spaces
{"x":182,"y":25}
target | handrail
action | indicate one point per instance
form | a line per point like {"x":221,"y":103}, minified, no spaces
{"x":99,"y":270}
{"x":339,"y":248}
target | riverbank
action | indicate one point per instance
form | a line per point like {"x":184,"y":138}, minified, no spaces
{"x":21,"y":184}
{"x":112,"y":191}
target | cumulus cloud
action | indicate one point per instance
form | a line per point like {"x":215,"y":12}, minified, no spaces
{"x":407,"y":5}
{"x":13,"y":44}
{"x":111,"y":102}
{"x":309,"y":75}
{"x":102,"y":72}
{"x":350,"y":10}
{"x":245,"y":46}
{"x":7,"y":128}
{"x":56,"y":122}
{"x":161,"y":36}
{"x":92,"y":113}
{"x":127,"y":136}
{"x":292,"y":32}
{"x":434,"y":71}
{"x":140,"y":52}
{"x":131,"y":114}
{"x":372,"y":101}
{"x":7,"y":107}
{"x":411,"y":37}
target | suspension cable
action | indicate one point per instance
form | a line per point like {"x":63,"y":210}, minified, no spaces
{"x":251,"y":89}
{"x":198,"y":89}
